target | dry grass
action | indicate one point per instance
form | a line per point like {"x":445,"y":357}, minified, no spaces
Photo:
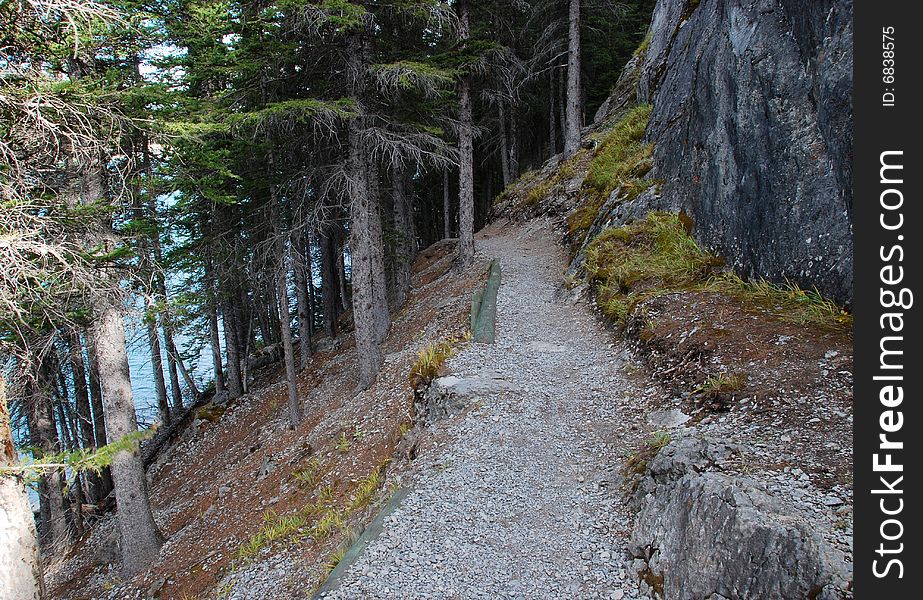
{"x":657,"y":255}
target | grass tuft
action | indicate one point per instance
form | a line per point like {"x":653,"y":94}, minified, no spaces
{"x":723,"y":383}
{"x":429,"y":362}
{"x":636,"y":463}
{"x":787,"y":301}
{"x":627,"y":264}
{"x":622,"y":158}
{"x":657,"y":255}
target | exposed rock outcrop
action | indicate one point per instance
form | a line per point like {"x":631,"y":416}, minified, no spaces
{"x":704,"y":534}
{"x":751,"y":126}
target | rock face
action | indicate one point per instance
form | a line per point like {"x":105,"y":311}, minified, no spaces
{"x":752,"y":118}
{"x":450,"y":395}
{"x":703,"y":534}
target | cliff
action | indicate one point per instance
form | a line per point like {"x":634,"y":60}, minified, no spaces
{"x":752,"y":132}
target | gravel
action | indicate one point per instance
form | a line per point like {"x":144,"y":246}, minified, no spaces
{"x":523,"y":500}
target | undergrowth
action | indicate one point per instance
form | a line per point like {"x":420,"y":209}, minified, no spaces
{"x":636,"y":463}
{"x":621,"y":159}
{"x":318,"y":520}
{"x":657,"y":255}
{"x":651,"y":256}
{"x":430,"y":361}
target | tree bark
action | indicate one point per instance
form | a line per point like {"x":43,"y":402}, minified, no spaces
{"x":446,"y":206}
{"x":573,"y":116}
{"x":140,"y":538}
{"x":380,"y":310}
{"x":363,"y":238}
{"x":234,"y":381}
{"x":552,"y":116}
{"x":301,"y":265}
{"x":466,"y":153}
{"x":20,"y":564}
{"x":403,"y":225}
{"x":102,"y":485}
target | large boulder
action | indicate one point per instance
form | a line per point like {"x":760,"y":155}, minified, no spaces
{"x":700,"y":533}
{"x":751,"y":123}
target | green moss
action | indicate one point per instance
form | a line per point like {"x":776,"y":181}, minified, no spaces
{"x":621,"y":156}
{"x":645,"y":43}
{"x":651,"y":256}
{"x":537,"y":193}
{"x":657,"y":255}
{"x":621,"y":159}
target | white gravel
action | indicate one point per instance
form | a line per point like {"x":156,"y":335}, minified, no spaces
{"x":523,"y":501}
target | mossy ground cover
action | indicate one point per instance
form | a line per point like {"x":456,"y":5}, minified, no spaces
{"x":621,"y":160}
{"x":657,"y":255}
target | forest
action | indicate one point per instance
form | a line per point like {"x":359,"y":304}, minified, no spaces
{"x":256,"y":176}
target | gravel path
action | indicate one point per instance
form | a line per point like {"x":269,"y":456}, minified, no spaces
{"x":523,"y":502}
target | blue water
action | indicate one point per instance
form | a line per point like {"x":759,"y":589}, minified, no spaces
{"x":142,"y":374}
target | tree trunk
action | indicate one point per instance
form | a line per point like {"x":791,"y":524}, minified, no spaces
{"x":301,"y":265}
{"x":140,"y":540}
{"x":403,"y":225}
{"x":20,"y":564}
{"x":103,"y":483}
{"x":330,"y":284}
{"x":573,"y":122}
{"x":281,"y":294}
{"x":380,"y":310}
{"x":81,"y":395}
{"x":160,"y":386}
{"x":504,"y":149}
{"x":552,"y":116}
{"x":285,"y":321}
{"x":363,"y":238}
{"x":43,"y":438}
{"x":446,"y":206}
{"x":369,"y":354}
{"x":187,"y":377}
{"x":231,"y":347}
{"x":465,"y":154}
{"x":214,"y":337}
{"x":175,"y":390}
{"x":345,"y":294}
{"x":514,"y":146}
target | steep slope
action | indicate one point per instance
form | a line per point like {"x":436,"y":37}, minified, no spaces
{"x":249,"y":505}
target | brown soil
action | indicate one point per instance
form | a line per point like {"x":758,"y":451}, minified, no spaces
{"x":787,"y":383}
{"x":207,"y":494}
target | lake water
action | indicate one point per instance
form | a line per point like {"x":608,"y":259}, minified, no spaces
{"x":142,"y":374}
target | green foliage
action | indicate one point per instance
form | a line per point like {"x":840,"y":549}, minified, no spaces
{"x":286,"y":113}
{"x":343,"y":443}
{"x":84,"y":459}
